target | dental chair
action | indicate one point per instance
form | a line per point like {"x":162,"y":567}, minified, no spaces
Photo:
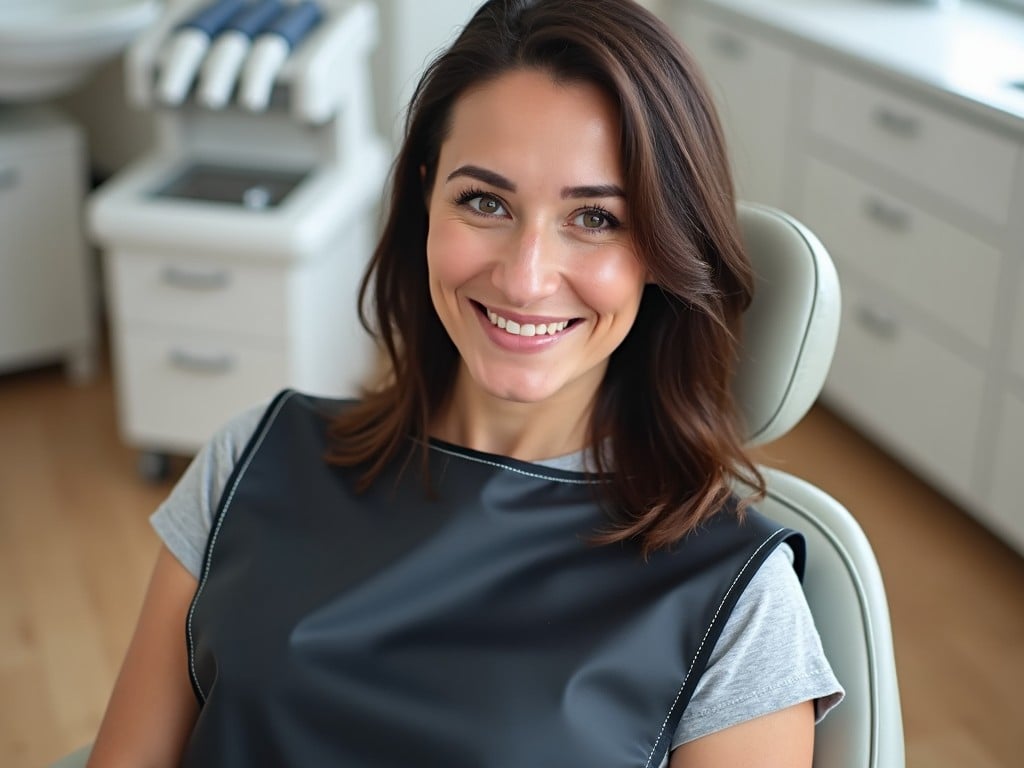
{"x":790,"y":333}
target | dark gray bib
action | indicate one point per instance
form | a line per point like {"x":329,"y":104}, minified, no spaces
{"x":475,"y":630}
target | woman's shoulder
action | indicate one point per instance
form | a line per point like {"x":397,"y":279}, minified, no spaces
{"x":184,"y":519}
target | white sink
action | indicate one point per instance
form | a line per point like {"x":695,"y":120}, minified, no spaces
{"x":47,"y":47}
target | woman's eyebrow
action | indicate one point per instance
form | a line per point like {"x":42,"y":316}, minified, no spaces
{"x":593,"y":190}
{"x":482,"y":174}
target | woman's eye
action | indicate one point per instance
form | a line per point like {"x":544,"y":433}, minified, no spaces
{"x":594,"y":220}
{"x":486,"y":204}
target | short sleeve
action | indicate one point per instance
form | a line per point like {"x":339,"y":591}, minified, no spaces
{"x":184,"y":519}
{"x":768,"y":657}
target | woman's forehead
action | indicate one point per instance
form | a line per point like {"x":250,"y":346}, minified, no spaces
{"x":528,"y":123}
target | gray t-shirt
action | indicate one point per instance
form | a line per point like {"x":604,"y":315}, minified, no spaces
{"x":768,"y":657}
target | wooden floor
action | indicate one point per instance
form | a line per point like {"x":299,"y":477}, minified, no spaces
{"x":76,"y":549}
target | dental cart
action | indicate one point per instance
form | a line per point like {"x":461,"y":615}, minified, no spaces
{"x":233,"y":251}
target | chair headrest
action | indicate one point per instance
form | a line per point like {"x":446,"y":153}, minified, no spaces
{"x":790,"y":328}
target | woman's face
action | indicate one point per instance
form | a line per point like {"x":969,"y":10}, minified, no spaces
{"x":531,"y":264}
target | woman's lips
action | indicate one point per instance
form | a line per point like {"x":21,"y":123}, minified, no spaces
{"x":523,"y":332}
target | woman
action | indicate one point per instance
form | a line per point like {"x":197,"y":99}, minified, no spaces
{"x":521,"y":549}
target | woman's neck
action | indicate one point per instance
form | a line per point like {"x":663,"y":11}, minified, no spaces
{"x":526,"y":431}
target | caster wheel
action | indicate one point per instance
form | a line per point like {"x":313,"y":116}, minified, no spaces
{"x":153,"y":467}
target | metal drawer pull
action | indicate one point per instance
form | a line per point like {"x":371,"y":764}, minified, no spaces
{"x":889,"y":216}
{"x":877,"y":322}
{"x":192,"y":362}
{"x":8,"y":178}
{"x":729,"y":46}
{"x":196,"y":280}
{"x":904,"y":126}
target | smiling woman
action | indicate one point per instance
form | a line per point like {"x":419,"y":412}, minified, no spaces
{"x":521,"y":547}
{"x":529,"y":230}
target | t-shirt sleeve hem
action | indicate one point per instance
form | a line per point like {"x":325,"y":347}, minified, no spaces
{"x":176,"y":539}
{"x":820,"y":686}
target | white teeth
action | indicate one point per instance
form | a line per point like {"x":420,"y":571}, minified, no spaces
{"x":526,"y":329}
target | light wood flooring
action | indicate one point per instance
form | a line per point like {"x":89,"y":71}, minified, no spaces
{"x":76,"y":549}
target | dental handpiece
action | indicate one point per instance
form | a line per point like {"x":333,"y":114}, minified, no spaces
{"x":219,"y":72}
{"x":271,"y":50}
{"x":183,"y":53}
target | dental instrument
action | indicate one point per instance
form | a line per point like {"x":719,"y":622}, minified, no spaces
{"x":219,"y":72}
{"x":270,"y":51}
{"x":181,"y":57}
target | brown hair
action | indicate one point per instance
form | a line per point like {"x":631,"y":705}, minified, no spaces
{"x":665,"y":407}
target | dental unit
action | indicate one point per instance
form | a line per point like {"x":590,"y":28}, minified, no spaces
{"x":234,"y":247}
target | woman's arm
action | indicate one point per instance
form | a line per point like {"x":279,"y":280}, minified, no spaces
{"x":152,"y":709}
{"x":782,"y":739}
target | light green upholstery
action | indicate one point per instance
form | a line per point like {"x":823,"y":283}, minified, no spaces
{"x":74,"y":760}
{"x":790,"y":333}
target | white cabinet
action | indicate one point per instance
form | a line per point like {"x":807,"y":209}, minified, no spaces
{"x":920,"y":258}
{"x":1007,"y":500}
{"x":921,"y":400}
{"x":913,"y":189}
{"x":197,"y":339}
{"x":47,"y":307}
{"x":945,"y":154}
{"x":753,"y":85}
{"x":1017,"y":333}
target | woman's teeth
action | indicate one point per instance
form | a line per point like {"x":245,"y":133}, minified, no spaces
{"x":526,"y":329}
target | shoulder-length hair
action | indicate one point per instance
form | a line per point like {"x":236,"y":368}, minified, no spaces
{"x":664,"y":424}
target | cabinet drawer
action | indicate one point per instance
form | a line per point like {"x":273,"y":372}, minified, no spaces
{"x":183,"y":293}
{"x":1007,"y":502}
{"x":921,"y":259}
{"x":177,"y":388}
{"x":953,"y":158}
{"x":914,"y":396}
{"x":752,"y":83}
{"x":1017,"y":331}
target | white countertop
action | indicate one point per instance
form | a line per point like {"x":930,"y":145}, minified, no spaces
{"x":969,"y":50}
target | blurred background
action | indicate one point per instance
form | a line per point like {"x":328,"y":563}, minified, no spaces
{"x":178,"y":241}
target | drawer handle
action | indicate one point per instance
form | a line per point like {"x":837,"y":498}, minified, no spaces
{"x":8,"y":178}
{"x":191,"y":362}
{"x":888,"y":216}
{"x":878,"y":322}
{"x":195,"y":280}
{"x":902,"y":125}
{"x":729,"y":46}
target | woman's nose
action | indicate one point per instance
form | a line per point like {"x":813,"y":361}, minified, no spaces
{"x":529,"y":270}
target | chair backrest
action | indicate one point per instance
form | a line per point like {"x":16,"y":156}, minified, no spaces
{"x":790,"y":332}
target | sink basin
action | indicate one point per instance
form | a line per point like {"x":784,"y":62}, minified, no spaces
{"x":47,"y":47}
